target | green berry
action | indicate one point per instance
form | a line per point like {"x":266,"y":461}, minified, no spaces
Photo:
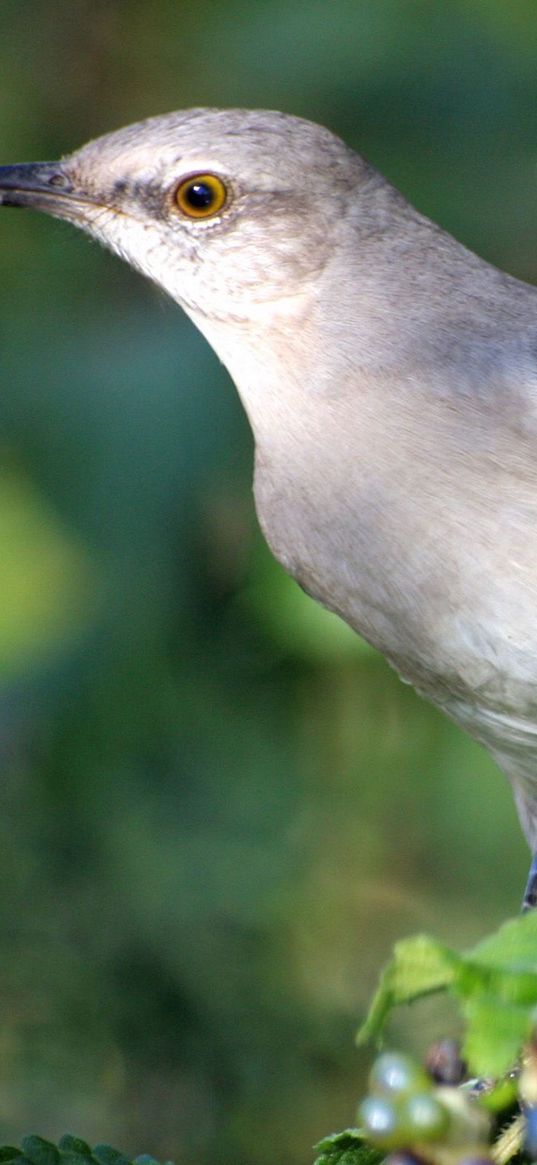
{"x":393,"y":1074}
{"x":423,"y":1118}
{"x":379,"y":1119}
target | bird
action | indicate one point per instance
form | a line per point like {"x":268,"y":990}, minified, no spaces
{"x":389,"y":376}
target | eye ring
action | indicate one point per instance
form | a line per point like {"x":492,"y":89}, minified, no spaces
{"x":201,"y":196}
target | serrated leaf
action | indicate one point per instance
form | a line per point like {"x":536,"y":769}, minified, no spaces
{"x":419,"y":967}
{"x":71,"y":1144}
{"x":106,"y":1155}
{"x":39,"y":1151}
{"x":494,"y":1034}
{"x":513,"y":945}
{"x":338,"y":1140}
{"x":71,"y":1150}
{"x":495,"y":983}
{"x":346,"y":1148}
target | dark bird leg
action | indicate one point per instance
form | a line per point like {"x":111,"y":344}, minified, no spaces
{"x":529,"y":901}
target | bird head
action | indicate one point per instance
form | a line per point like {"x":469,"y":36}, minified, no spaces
{"x":232,"y":212}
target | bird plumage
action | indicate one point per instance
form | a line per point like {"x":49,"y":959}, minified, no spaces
{"x":390,"y":378}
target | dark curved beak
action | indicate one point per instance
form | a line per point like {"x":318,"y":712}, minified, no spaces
{"x":41,"y":185}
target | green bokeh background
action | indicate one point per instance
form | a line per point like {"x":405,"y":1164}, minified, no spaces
{"x":218,"y":808}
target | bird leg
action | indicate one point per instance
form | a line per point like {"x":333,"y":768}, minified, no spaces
{"x":529,"y":901}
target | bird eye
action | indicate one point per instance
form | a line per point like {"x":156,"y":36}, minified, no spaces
{"x":201,"y":196}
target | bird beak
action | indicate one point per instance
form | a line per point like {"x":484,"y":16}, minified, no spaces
{"x":41,"y":185}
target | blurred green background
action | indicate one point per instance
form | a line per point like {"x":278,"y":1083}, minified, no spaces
{"x":218,"y":808}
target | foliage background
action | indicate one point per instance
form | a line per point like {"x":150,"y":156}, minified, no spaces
{"x":218,"y":809}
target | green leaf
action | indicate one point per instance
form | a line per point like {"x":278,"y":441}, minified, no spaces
{"x":106,"y":1155}
{"x":70,"y":1144}
{"x":346,"y":1148}
{"x":502,"y":1097}
{"x":494,"y":1034}
{"x":495,"y":983}
{"x":419,"y":967}
{"x":71,"y":1150}
{"x":513,"y":945}
{"x":69,"y":1157}
{"x":39,"y":1151}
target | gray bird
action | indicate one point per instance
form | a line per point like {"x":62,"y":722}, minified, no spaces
{"x":389,"y":376}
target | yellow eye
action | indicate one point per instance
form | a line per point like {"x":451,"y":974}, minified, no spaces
{"x":201,"y":195}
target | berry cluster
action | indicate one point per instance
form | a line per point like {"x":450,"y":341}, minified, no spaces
{"x":419,"y":1115}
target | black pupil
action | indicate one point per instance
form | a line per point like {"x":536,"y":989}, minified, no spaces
{"x":200,"y":195}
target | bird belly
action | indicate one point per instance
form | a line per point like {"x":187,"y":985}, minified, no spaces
{"x":453,"y":624}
